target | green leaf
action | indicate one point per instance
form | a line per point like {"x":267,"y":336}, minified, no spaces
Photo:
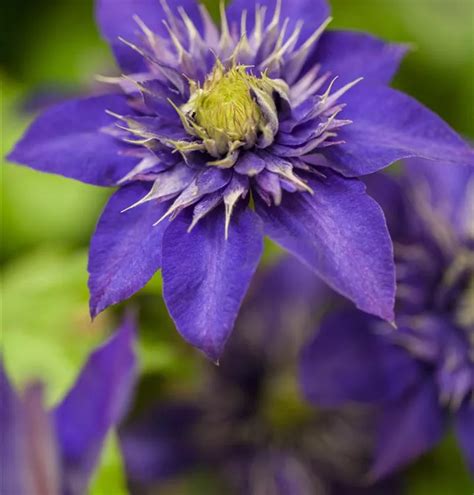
{"x":441,"y":472}
{"x":110,"y":476}
{"x":47,"y":332}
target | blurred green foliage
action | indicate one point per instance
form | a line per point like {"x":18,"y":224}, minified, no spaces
{"x":47,"y":220}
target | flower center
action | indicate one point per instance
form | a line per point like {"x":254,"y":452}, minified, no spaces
{"x":233,"y":109}
{"x":226,"y":106}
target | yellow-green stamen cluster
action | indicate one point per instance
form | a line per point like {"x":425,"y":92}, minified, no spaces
{"x":225,"y":104}
{"x":232,"y":110}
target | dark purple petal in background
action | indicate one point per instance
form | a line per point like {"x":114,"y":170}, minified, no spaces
{"x":350,"y":55}
{"x":13,"y":464}
{"x":385,"y":487}
{"x":28,"y":457}
{"x":115,"y":19}
{"x":340,"y":232}
{"x":408,"y":428}
{"x":160,"y":445}
{"x":273,"y":472}
{"x":388,"y":126}
{"x":446,"y":189}
{"x":41,"y":454}
{"x":93,"y":406}
{"x":464,"y":424}
{"x":205,"y":275}
{"x":282,"y":297}
{"x":390,"y":195}
{"x":347,"y":361}
{"x":125,"y":251}
{"x":67,"y":140}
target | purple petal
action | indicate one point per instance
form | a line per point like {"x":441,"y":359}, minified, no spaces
{"x":350,"y":55}
{"x":340,"y":232}
{"x":205,"y":276}
{"x":464,"y":424}
{"x":116,"y":19}
{"x":280,"y":297}
{"x":249,"y":164}
{"x":28,"y":458}
{"x":391,"y":196}
{"x":207,"y":204}
{"x":286,"y":288}
{"x":312,"y":12}
{"x":270,"y":184}
{"x":274,"y":472}
{"x":206,"y":182}
{"x":388,"y":126}
{"x":161,"y":444}
{"x":408,"y":428}
{"x":13,"y":449}
{"x":448,"y":193}
{"x":292,"y":476}
{"x":125,"y":250}
{"x":348,"y":361}
{"x":93,"y":406}
{"x":67,"y":140}
{"x":41,"y":454}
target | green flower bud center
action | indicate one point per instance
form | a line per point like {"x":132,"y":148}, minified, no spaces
{"x":226,"y":106}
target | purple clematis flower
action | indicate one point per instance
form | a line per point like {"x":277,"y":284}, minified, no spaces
{"x":55,"y":452}
{"x":218,"y":135}
{"x":422,"y":371}
{"x":246,"y":422}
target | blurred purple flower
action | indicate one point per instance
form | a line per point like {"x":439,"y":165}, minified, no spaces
{"x":269,"y":107}
{"x":246,"y":422}
{"x":56,"y":452}
{"x":423,"y":371}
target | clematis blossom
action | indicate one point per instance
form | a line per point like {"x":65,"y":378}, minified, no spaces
{"x":421,"y":373}
{"x":56,"y":452}
{"x":220,"y":134}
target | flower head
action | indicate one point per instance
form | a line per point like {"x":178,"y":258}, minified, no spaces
{"x":424,"y":369}
{"x":56,"y":452}
{"x":218,"y":135}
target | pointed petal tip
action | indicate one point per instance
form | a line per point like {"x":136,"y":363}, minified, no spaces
{"x":385,"y":310}
{"x":11,"y":155}
{"x":95,"y":308}
{"x":202,"y":289}
{"x":93,"y":312}
{"x":212,"y":351}
{"x":386,"y":313}
{"x":18,"y":155}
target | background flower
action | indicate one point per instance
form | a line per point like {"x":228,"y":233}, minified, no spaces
{"x":421,"y":371}
{"x":246,"y":420}
{"x":57,"y":452}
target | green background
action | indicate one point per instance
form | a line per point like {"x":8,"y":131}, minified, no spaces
{"x":53,"y":46}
